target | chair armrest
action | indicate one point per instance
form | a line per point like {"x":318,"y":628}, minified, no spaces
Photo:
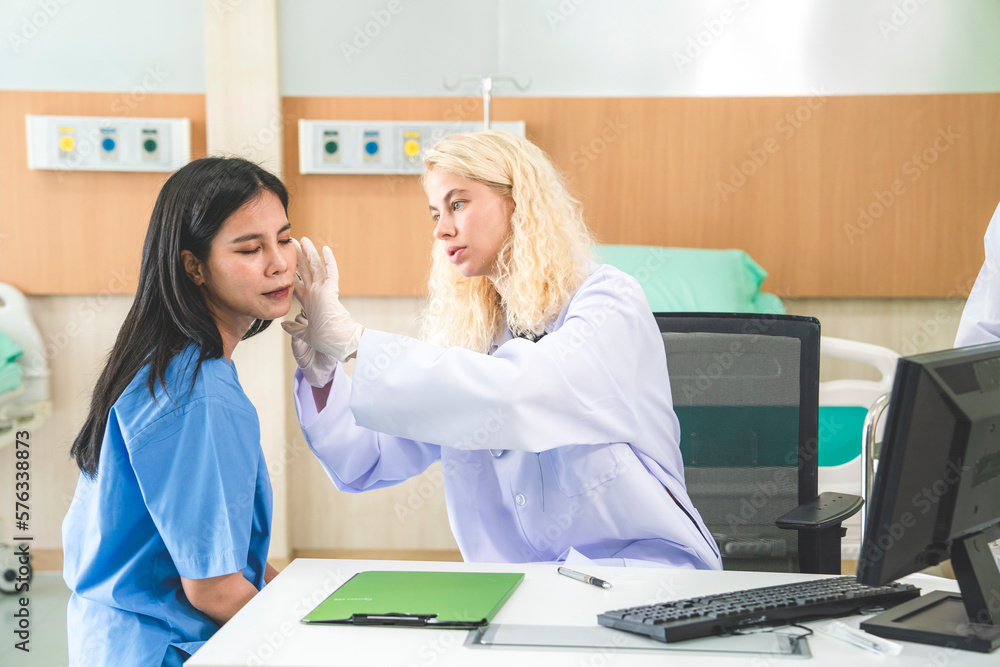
{"x":828,"y":510}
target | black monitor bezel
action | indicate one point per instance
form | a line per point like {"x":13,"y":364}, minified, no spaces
{"x":967,"y":621}
{"x":905,"y":384}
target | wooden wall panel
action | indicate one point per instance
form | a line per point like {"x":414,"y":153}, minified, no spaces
{"x":378,"y":225}
{"x":657,"y":171}
{"x":80,"y":232}
{"x":667,"y":171}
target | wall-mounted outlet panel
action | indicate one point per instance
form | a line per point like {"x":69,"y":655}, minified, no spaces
{"x":377,"y":147}
{"x":101,"y":143}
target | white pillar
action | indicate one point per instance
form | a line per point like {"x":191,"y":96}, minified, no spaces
{"x":243,"y":118}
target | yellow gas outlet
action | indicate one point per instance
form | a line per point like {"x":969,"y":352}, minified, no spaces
{"x":411,"y":146}
{"x":67,"y":142}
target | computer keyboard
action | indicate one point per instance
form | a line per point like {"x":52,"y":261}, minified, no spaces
{"x":771,"y":605}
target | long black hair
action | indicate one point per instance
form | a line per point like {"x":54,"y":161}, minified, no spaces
{"x":169,"y":311}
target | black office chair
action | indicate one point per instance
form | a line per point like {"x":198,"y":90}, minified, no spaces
{"x":746,"y":392}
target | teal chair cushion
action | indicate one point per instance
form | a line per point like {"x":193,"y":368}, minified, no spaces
{"x":694,"y":279}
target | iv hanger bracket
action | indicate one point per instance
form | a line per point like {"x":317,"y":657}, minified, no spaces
{"x":486,"y":86}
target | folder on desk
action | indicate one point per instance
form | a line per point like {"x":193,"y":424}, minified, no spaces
{"x":417,"y":599}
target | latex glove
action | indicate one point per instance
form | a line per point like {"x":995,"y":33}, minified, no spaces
{"x":317,"y":368}
{"x":328,"y":328}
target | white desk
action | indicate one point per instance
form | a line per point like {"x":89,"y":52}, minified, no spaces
{"x":268,"y":632}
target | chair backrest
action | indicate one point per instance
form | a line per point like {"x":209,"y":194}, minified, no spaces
{"x":745,"y":390}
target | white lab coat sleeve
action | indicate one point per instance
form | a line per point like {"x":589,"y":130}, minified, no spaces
{"x":575,"y":386}
{"x":981,"y":318}
{"x":355,"y":458}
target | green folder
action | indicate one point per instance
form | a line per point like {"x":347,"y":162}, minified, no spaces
{"x":417,"y":599}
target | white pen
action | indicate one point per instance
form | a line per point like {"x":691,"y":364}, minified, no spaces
{"x":861,"y":639}
{"x":585,"y":578}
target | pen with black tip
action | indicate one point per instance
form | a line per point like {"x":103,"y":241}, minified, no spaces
{"x":585,"y":578}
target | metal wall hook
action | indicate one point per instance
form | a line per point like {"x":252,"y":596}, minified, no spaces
{"x":486,"y":86}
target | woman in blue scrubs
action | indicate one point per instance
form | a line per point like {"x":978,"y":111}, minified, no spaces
{"x":167,"y":535}
{"x":541,"y":384}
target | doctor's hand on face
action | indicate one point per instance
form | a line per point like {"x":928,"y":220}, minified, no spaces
{"x":323,"y":333}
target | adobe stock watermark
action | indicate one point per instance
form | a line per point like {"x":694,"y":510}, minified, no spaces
{"x":666,"y":590}
{"x":783,"y":477}
{"x":945,"y":315}
{"x":757,"y":157}
{"x":453,"y":463}
{"x":224,"y":7}
{"x":549,"y":537}
{"x":153,"y":76}
{"x":930,"y":327}
{"x":900,"y":15}
{"x":705,"y":376}
{"x":913,"y":169}
{"x":923,"y":501}
{"x":594,"y":148}
{"x":605,"y":652}
{"x":625,"y":285}
{"x":289,"y":454}
{"x":480,"y":437}
{"x":764,"y":493}
{"x":389,"y":352}
{"x":364,"y":34}
{"x":562,"y":12}
{"x":456,"y":113}
{"x":712,"y":30}
{"x":33,"y":24}
{"x":437,"y":646}
{"x":89,"y":141}
{"x":86,"y":312}
{"x":253,"y":148}
{"x":942,"y":657}
{"x":272,"y":641}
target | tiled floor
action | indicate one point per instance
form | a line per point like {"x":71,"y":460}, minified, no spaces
{"x":47,"y":597}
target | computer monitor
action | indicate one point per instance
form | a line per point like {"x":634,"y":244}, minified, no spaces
{"x":937,"y":496}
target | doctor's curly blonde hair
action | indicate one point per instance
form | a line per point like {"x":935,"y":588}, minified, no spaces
{"x":542,"y":263}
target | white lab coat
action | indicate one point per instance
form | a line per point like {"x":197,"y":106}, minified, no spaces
{"x":568,"y":442}
{"x":981,"y":318}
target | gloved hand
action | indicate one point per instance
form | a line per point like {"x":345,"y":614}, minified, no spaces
{"x":328,"y":327}
{"x":317,"y":368}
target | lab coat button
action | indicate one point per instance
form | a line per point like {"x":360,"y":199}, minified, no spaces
{"x":519,"y":499}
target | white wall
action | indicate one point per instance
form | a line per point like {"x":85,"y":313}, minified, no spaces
{"x":564,"y":47}
{"x":641,"y":47}
{"x":103,"y":45}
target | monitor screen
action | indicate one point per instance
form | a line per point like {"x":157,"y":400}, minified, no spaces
{"x":937,"y":489}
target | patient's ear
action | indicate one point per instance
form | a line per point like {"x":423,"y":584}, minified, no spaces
{"x":193,"y":267}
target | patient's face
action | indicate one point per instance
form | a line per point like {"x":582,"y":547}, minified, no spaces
{"x":472,"y":221}
{"x":251,"y":265}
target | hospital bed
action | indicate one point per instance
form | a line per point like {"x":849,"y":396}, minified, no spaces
{"x":25,"y":403}
{"x":27,"y":406}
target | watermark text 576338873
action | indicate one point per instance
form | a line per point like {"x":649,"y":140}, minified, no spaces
{"x":22,"y":521}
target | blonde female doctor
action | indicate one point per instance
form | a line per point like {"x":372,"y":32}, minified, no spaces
{"x":540,"y":383}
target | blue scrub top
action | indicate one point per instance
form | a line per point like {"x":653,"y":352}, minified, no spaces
{"x":181,"y":490}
